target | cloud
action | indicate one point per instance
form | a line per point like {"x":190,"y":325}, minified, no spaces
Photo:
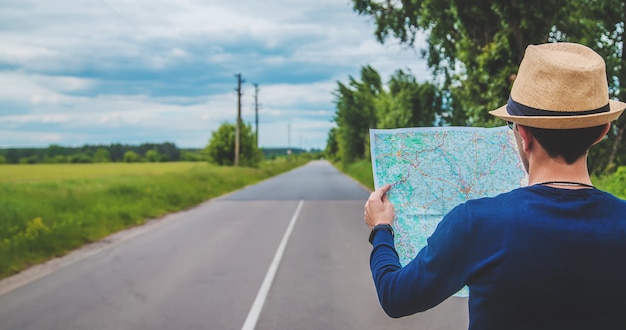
{"x":106,"y":71}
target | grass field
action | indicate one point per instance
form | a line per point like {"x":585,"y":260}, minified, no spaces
{"x":47,"y":210}
{"x":58,"y":172}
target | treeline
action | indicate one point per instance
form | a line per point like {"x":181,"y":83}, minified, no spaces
{"x":367,"y":103}
{"x":146,"y":152}
{"x":271,"y":153}
{"x":473,"y":50}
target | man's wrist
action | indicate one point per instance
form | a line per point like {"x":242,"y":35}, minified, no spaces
{"x":382,"y":226}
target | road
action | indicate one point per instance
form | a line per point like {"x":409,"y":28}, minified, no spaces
{"x":288,"y":253}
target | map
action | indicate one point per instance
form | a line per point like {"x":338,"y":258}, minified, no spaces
{"x":434,"y":169}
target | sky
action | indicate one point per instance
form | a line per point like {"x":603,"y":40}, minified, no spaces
{"x":75,"y":72}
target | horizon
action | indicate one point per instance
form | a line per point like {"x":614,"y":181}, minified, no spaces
{"x":150,"y":143}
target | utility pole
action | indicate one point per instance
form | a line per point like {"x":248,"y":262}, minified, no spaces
{"x":238,"y":125}
{"x":289,"y":139}
{"x":256,"y":112}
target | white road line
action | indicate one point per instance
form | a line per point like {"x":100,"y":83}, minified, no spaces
{"x":257,"y":306}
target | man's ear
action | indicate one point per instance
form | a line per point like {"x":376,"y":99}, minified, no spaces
{"x":526,"y":135}
{"x":604,"y":132}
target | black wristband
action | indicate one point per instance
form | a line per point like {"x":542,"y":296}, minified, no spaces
{"x":377,"y":228}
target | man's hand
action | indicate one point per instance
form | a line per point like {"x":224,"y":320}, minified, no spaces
{"x":378,"y":209}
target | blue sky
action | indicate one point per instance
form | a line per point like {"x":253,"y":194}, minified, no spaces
{"x":76,"y":72}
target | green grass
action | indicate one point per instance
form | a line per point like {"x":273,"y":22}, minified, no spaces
{"x":360,"y":170}
{"x":61,"y":207}
{"x":60,"y":172}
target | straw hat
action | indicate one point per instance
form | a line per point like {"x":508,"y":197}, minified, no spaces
{"x":560,"y":86}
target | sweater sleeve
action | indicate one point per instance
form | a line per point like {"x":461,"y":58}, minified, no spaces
{"x":438,"y":271}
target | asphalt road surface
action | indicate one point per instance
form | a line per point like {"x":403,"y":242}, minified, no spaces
{"x":288,"y":253}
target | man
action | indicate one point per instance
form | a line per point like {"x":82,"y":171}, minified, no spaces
{"x":548,"y":256}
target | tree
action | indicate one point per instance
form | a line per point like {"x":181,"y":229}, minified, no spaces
{"x":332,"y":145}
{"x":221,"y":147}
{"x":366,"y":104}
{"x":192,"y":156}
{"x":601,"y":25}
{"x":356,"y":113}
{"x":13,"y":156}
{"x":168,"y":152}
{"x":474,"y":47}
{"x":59,"y":159}
{"x":80,"y":158}
{"x":409,"y":103}
{"x":101,"y":156}
{"x":55,"y":150}
{"x":33,"y":159}
{"x":117,"y":152}
{"x":131,"y":157}
{"x":152,"y":155}
{"x":476,"y":43}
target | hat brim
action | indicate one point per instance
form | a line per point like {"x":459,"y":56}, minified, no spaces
{"x":564,"y":122}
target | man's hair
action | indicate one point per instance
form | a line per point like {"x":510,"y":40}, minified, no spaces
{"x":571,"y":144}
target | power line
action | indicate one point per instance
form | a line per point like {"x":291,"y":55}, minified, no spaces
{"x":124,"y":18}
{"x":160,"y":21}
{"x":150,"y":10}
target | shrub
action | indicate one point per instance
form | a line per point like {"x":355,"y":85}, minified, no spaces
{"x":131,"y":157}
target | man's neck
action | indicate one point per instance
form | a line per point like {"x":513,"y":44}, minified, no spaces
{"x":546,"y":169}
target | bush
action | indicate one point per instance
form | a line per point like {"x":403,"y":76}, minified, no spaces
{"x":152,"y":155}
{"x":80,"y":159}
{"x":131,"y":157}
{"x":189,"y":156}
{"x":102,"y":156}
{"x":613,"y":183}
{"x":29,"y":160}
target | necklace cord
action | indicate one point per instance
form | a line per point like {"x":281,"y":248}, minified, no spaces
{"x":566,"y":183}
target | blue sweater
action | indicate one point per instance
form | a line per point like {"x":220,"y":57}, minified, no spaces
{"x":534,"y":258}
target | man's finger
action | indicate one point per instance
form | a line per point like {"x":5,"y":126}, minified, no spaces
{"x":380,"y":192}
